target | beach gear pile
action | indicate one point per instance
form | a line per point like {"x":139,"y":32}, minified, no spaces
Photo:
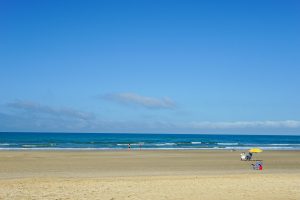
{"x":258,"y":165}
{"x":248,"y":156}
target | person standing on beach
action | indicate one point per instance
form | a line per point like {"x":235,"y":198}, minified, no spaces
{"x":129,"y":146}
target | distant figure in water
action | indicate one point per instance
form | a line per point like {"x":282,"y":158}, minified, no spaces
{"x":129,"y":146}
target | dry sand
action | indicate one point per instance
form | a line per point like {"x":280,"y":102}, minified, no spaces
{"x":179,"y":174}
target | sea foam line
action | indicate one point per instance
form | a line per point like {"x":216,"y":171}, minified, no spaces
{"x":227,"y":143}
{"x":157,"y":148}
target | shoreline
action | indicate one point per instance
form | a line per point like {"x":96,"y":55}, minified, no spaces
{"x":101,"y":141}
{"x":149,"y":149}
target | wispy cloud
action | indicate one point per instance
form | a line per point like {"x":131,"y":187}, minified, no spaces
{"x":37,"y":108}
{"x":33,"y":116}
{"x":245,"y":124}
{"x":139,"y":100}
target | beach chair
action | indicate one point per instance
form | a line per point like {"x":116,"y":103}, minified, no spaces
{"x":257,"y":166}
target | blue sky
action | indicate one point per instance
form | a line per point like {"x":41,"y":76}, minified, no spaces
{"x":150,"y":66}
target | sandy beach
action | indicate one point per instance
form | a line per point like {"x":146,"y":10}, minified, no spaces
{"x":172,"y":174}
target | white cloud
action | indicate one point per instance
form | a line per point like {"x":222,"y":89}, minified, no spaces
{"x":144,"y":101}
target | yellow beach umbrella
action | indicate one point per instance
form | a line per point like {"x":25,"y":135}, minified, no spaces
{"x":255,"y":150}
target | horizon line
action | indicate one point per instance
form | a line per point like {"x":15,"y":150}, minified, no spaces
{"x":164,"y":133}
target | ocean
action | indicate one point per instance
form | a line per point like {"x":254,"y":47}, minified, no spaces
{"x":107,"y":141}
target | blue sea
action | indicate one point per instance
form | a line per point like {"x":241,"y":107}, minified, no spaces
{"x":103,"y":141}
